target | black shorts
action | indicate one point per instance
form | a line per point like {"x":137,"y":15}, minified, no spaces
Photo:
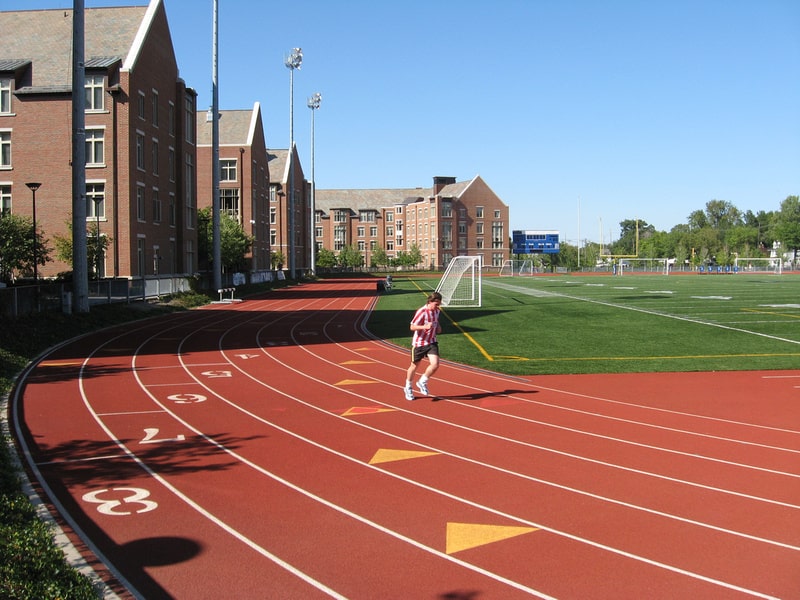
{"x":420,"y":352}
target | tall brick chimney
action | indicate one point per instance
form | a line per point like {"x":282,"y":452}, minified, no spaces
{"x":439,"y":182}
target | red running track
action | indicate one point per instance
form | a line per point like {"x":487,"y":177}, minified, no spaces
{"x":264,"y":449}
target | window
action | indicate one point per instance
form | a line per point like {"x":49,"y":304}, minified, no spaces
{"x":171,"y":163}
{"x":156,"y":207}
{"x":5,"y":200}
{"x":140,"y":151}
{"x":318,"y":232}
{"x":140,"y":203}
{"x":479,"y":228}
{"x":95,"y":201}
{"x":227,"y":169}
{"x":373,"y":231}
{"x":154,"y":156}
{"x":367,"y":216}
{"x":189,"y":202}
{"x":140,"y":105}
{"x":94,"y":147}
{"x":360,"y":231}
{"x":229,"y":202}
{"x":273,"y":237}
{"x":447,"y":208}
{"x":497,"y":214}
{"x":189,"y":256}
{"x":478,"y":212}
{"x":173,"y":213}
{"x":497,"y":235}
{"x":94,"y":92}
{"x":273,"y":193}
{"x":154,"y":103}
{"x":5,"y":149}
{"x":189,"y":119}
{"x":5,"y":96}
{"x":273,"y":213}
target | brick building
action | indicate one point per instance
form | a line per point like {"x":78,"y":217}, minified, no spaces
{"x":279,"y":208}
{"x":450,"y":219}
{"x":244,"y":175}
{"x":140,"y":129}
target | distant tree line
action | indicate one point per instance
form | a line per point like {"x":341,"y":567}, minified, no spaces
{"x":718,"y":234}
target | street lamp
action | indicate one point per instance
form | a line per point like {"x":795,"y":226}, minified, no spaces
{"x":313,"y":104}
{"x":33,"y":186}
{"x":292,"y":62}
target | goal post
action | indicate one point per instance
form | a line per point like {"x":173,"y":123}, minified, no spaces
{"x":461,"y":283}
{"x":758,"y":265}
{"x":658,"y":266}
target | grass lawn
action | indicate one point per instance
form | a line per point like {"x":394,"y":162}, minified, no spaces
{"x":603,"y":324}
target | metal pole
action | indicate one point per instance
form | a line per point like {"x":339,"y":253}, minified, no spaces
{"x":313,"y":104}
{"x":33,"y":187}
{"x":215,"y":217}
{"x":293,"y":62}
{"x":80,"y":267}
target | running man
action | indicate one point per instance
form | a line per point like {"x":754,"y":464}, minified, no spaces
{"x":425,"y":326}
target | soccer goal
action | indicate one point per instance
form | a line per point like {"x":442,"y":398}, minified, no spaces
{"x":511,"y":268}
{"x":758,"y":265}
{"x":644,"y":265}
{"x":461,"y":283}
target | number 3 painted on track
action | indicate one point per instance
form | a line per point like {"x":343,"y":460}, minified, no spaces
{"x":107,"y":507}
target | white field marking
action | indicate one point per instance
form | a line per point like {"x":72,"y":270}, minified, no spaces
{"x":780,"y":376}
{"x":306,"y":493}
{"x":659,"y":292}
{"x":648,"y":312}
{"x":711,"y":297}
{"x":780,"y":305}
{"x":499,"y":469}
{"x":574,"y":456}
{"x":624,"y":287}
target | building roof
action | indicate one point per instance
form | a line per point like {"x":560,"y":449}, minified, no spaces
{"x":234,"y":128}
{"x":278,"y":165}
{"x":327,"y":200}
{"x":44,"y":38}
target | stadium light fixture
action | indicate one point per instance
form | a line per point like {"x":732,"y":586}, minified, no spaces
{"x":313,"y":103}
{"x":292,"y":62}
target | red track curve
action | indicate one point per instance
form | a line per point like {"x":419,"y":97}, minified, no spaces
{"x":264,"y":450}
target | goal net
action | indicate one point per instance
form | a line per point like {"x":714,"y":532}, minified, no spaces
{"x":511,"y":268}
{"x":461,"y":283}
{"x":657,"y":266}
{"x":758,"y":265}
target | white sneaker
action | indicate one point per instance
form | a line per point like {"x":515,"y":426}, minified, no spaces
{"x":409,"y":392}
{"x":422,"y":386}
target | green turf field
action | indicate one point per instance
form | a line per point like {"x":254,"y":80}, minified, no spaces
{"x":603,"y":324}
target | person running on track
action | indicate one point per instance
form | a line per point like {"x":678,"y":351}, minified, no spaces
{"x":426,"y":327}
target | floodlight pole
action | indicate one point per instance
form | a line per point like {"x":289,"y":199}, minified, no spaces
{"x":292,"y":62}
{"x":313,"y":104}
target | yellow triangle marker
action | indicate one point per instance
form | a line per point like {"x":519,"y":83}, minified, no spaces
{"x":462,"y":536}
{"x":365,"y":410}
{"x":355,"y":381}
{"x":357,"y":362}
{"x":383,"y":455}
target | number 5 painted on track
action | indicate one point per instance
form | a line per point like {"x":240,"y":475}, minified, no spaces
{"x":108,"y":507}
{"x":186,"y":398}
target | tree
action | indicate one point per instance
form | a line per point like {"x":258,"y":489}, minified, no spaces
{"x":16,"y":247}
{"x":94,"y":251}
{"x":379,"y":257}
{"x":326,"y":259}
{"x":277,"y":259}
{"x":349,"y":256}
{"x":722,"y":215}
{"x":235,"y":244}
{"x":787,"y":224}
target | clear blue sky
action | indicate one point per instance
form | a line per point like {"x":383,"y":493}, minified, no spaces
{"x":577,"y":113}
